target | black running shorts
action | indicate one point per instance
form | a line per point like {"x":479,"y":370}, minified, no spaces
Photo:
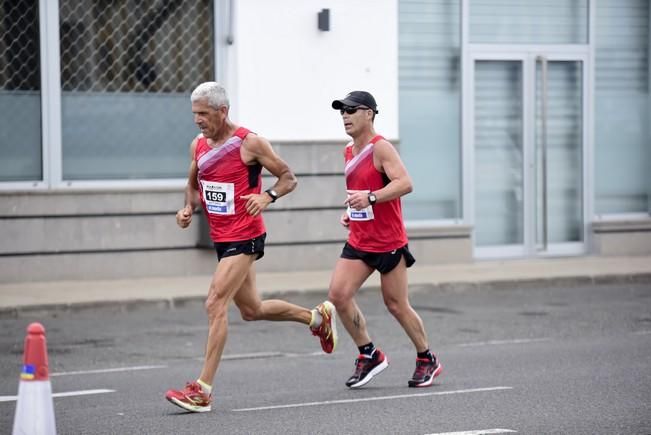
{"x":248,"y":247}
{"x":383,"y":262}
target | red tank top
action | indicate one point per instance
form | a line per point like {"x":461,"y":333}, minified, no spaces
{"x":223,"y":177}
{"x":386,"y":231}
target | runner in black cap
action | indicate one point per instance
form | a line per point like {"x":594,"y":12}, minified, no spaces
{"x":375,"y":180}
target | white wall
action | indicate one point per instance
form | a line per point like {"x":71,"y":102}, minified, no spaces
{"x":286,"y":72}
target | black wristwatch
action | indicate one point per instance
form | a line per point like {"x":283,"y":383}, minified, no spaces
{"x":372,"y":199}
{"x":272,"y":193}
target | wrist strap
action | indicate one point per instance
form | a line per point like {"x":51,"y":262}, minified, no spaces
{"x":272,"y":194}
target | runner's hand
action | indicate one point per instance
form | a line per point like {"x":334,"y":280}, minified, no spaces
{"x":357,"y":200}
{"x":184,"y":216}
{"x":256,"y":202}
{"x":344,"y":220}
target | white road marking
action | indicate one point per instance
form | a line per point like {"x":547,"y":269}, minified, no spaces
{"x":476,"y":432}
{"x":66,"y":394}
{"x":252,"y":355}
{"x":369,"y":399}
{"x":301,"y":355}
{"x":255,"y":355}
{"x":258,"y":355}
{"x":514,"y":341}
{"x":82,"y":393}
{"x":114,"y":370}
{"x":642,"y":332}
{"x":236,"y":356}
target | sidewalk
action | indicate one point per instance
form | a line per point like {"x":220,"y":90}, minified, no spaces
{"x":168,"y":290}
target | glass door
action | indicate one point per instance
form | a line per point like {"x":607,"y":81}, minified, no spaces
{"x":527,"y":118}
{"x":558,"y":155}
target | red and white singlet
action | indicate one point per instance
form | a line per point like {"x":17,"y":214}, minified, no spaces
{"x":378,"y":228}
{"x":223,"y":177}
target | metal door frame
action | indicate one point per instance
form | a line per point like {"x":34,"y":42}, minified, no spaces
{"x":527,"y":53}
{"x":528,"y":61}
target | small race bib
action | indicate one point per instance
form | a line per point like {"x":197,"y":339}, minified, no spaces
{"x":219,"y":197}
{"x":365,"y":214}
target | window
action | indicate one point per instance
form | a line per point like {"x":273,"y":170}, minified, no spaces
{"x":127,"y":70}
{"x":20,"y":92}
{"x":622,"y":117}
{"x":533,"y":22}
{"x":430,"y":106}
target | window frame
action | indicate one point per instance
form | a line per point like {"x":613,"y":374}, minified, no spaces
{"x":51,"y":119}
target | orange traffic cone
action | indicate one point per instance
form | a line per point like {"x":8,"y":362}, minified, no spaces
{"x":34,"y":409}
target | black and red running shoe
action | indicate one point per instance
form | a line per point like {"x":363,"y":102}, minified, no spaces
{"x":425,"y":372}
{"x":366,"y":367}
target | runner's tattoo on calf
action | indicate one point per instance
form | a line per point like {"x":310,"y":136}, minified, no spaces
{"x":357,"y":321}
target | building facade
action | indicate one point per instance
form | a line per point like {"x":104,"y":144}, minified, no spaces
{"x":524,"y":125}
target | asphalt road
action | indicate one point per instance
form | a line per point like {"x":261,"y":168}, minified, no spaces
{"x":525,"y":360}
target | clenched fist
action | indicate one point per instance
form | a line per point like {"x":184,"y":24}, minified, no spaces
{"x":184,"y":216}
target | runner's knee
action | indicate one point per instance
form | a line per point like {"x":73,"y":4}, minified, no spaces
{"x":216,"y":309}
{"x":250,"y":313}
{"x":396,"y":307}
{"x":336,"y":297}
{"x":215,"y":304}
{"x":339,"y":297}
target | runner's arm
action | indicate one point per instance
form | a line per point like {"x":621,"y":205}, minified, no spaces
{"x":192,"y":201}
{"x":387,"y":160}
{"x":260,"y":150}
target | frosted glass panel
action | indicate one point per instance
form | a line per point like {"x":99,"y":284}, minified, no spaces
{"x":622,"y":112}
{"x":430,"y":118}
{"x":146,"y":135}
{"x":498,"y":153}
{"x":529,"y":22}
{"x":20,"y":136}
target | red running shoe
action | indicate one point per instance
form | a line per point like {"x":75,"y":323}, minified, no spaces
{"x":191,"y":398}
{"x":425,"y":372}
{"x":327,"y":330}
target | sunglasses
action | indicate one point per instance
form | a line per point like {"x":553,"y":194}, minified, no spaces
{"x":350,"y":110}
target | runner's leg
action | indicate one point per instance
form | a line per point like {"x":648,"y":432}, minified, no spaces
{"x":252,"y":307}
{"x":347,"y":277}
{"x":396,"y":298}
{"x":230,"y":274}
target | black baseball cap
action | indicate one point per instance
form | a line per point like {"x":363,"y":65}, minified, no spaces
{"x":354,"y":99}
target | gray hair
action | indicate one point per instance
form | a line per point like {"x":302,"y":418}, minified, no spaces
{"x":211,"y":91}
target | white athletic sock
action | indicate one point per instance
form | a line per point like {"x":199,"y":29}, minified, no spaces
{"x":205,"y":387}
{"x":317,"y":318}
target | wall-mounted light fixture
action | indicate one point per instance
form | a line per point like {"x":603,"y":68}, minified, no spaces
{"x":324,"y":20}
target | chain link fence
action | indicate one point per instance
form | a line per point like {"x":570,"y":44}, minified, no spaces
{"x":19,"y":47}
{"x":135,"y":46}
